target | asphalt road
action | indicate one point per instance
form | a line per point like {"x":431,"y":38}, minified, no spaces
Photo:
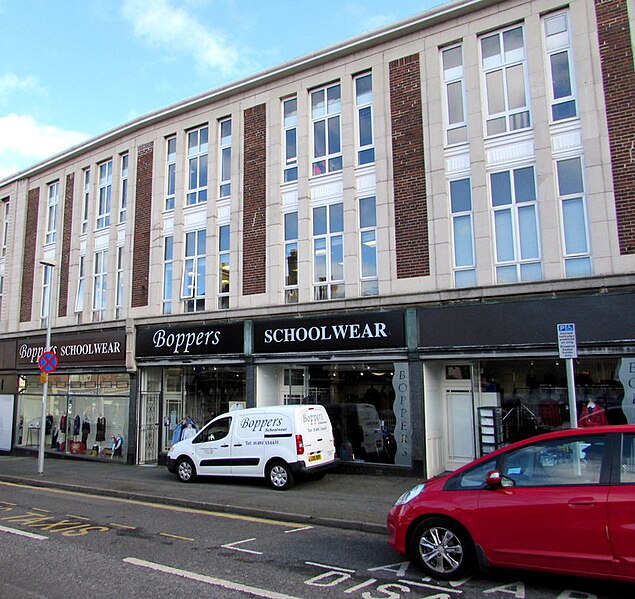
{"x":61,"y":544}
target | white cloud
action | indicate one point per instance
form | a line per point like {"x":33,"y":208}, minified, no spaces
{"x":24,"y":142}
{"x":171,"y":28}
{"x":10,"y":83}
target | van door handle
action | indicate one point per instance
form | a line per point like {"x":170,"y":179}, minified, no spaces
{"x":224,"y":445}
{"x":238,"y":444}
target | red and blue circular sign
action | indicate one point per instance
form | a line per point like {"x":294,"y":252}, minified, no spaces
{"x":48,"y":362}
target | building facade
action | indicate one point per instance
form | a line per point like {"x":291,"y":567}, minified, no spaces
{"x":393,"y":227}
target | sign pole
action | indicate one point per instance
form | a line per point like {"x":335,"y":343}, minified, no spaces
{"x":568,"y":350}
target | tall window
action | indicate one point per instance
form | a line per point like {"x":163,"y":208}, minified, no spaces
{"x":368,"y":246}
{"x":291,"y":258}
{"x":516,"y":225}
{"x":576,"y":246}
{"x":52,"y":206}
{"x":5,"y":225}
{"x":193,"y":291}
{"x":364,"y":106}
{"x":504,"y":67}
{"x":197,"y":146}
{"x":79,"y":296}
{"x":225,"y":151}
{"x":105,"y":193}
{"x":120,"y":283}
{"x":100,"y":285}
{"x":326,"y":107}
{"x":170,"y":173}
{"x":168,"y":266}
{"x":462,"y":233}
{"x":290,"y":142}
{"x":223,"y":267}
{"x":558,"y":46}
{"x":86,"y":200}
{"x":123,"y":189}
{"x":47,"y":281}
{"x":328,"y":252}
{"x":454,"y":81}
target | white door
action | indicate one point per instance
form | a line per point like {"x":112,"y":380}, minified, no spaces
{"x":459,"y":432}
{"x":212,"y":448}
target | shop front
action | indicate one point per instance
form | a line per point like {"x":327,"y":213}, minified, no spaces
{"x":88,"y":398}
{"x":189,"y":373}
{"x":493,"y":374}
{"x":357,"y":367}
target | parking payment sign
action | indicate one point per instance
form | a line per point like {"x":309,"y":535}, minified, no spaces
{"x":567,"y":344}
{"x":48,"y":362}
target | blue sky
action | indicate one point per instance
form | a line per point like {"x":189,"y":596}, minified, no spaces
{"x":73,"y":69}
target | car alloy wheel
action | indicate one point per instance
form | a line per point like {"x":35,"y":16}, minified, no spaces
{"x":442,"y":549}
{"x":185,"y":470}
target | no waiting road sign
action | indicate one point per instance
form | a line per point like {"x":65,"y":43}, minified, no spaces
{"x":48,"y":362}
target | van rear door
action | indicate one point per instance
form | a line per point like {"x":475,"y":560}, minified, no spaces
{"x":314,"y":426}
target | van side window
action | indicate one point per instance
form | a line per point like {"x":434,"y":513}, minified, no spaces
{"x":218,"y":429}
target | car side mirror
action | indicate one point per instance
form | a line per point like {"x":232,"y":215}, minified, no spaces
{"x":496,"y":480}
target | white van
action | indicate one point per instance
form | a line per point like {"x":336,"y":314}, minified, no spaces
{"x":280,"y":443}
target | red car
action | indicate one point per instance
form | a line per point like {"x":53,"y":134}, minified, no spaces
{"x":561,"y":502}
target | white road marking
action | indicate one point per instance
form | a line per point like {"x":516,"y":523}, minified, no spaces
{"x":286,"y":532}
{"x":232,"y":546}
{"x":218,"y":582}
{"x":431,"y":586}
{"x":22,"y":533}
{"x":327,"y":567}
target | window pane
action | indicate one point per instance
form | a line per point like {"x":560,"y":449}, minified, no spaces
{"x":337,"y":258}
{"x":490,"y":48}
{"x":365,"y":127}
{"x":319,"y":139}
{"x":319,"y":251}
{"x":452,"y":58}
{"x":506,"y":274}
{"x":364,"y":89}
{"x":290,"y":143}
{"x":528,"y":232}
{"x":463,"y":250}
{"x":496,"y":126}
{"x":226,"y":164}
{"x":524,"y":184}
{"x":504,"y":236}
{"x":455,"y":103}
{"x":501,"y":189}
{"x":336,"y":218}
{"x":291,"y":264}
{"x":495,"y":92}
{"x":564,"y":110}
{"x":531,"y":272}
{"x":367,"y":213}
{"x":560,"y":75}
{"x":369,"y":254}
{"x":290,"y":226}
{"x":319,"y":221}
{"x":333,"y":99}
{"x":460,"y":195}
{"x":190,"y":244}
{"x":574,"y":227}
{"x":570,"y":176}
{"x":465,"y":278}
{"x":334,"y":135}
{"x":516,"y":87}
{"x":223,"y":238}
{"x":318,"y":107}
{"x":291,"y":113}
{"x":513,"y":44}
{"x":577,"y":267}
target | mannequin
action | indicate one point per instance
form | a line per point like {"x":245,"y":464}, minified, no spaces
{"x":592,"y":415}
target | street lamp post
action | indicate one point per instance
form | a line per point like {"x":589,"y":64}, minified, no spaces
{"x":49,"y":264}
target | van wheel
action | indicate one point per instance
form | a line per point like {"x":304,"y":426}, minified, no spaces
{"x":185,"y":470}
{"x":279,"y":475}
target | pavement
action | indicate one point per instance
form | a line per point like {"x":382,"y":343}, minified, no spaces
{"x":340,"y":500}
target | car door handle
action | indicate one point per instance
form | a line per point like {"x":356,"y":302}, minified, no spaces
{"x":581,"y":501}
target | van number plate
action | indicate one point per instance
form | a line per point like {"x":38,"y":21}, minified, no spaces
{"x":315,"y":457}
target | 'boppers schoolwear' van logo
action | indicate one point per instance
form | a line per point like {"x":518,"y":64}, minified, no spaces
{"x":260,"y":424}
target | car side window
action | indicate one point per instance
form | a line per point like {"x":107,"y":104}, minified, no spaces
{"x":627,"y":470}
{"x":214,"y":431}
{"x":473,"y":478}
{"x":574,"y":461}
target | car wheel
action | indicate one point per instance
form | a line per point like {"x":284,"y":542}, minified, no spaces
{"x":442,"y":548}
{"x":279,"y":475}
{"x":185,"y":470}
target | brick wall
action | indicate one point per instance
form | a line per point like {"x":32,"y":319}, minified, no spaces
{"x":28,"y":260}
{"x":66,"y":244}
{"x":411,"y":210}
{"x":142,"y":223}
{"x":254,"y":199}
{"x":618,"y":76}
